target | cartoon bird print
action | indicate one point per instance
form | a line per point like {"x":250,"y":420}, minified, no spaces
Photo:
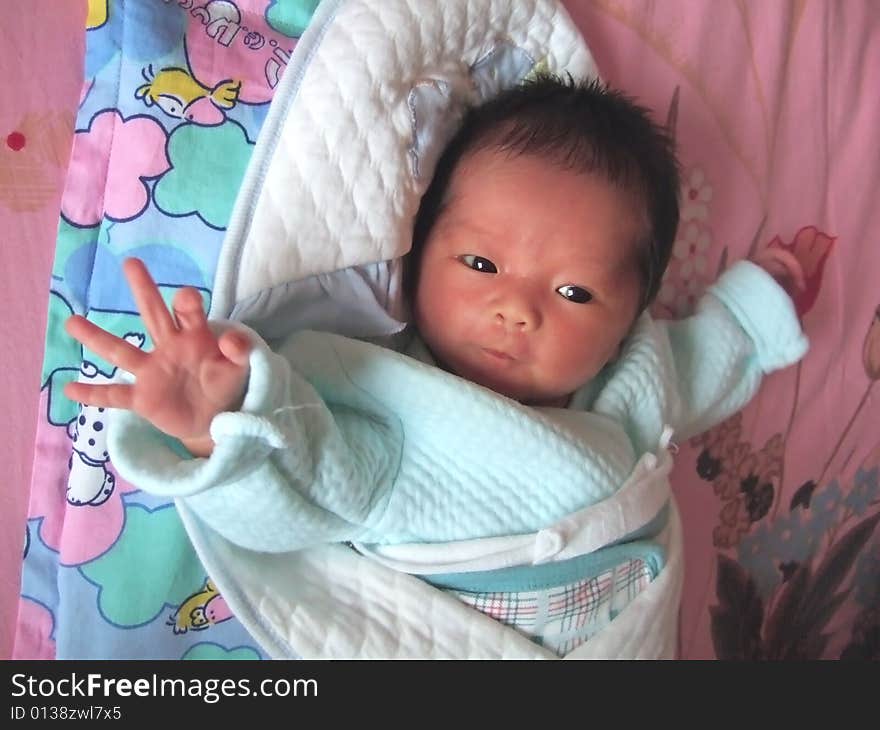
{"x":97,"y":14}
{"x":202,"y":609}
{"x":177,"y":93}
{"x":746,"y":481}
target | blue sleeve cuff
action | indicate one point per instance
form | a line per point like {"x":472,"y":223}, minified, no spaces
{"x":158,"y":464}
{"x":766,"y":313}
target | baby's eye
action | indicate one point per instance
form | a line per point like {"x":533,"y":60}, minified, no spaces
{"x":575,"y":294}
{"x":478,"y":263}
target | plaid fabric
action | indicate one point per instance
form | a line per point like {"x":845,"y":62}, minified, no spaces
{"x":563,"y":617}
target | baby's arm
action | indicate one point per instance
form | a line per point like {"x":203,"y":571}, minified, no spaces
{"x":286,"y":470}
{"x":272,"y":442}
{"x":745,"y":327}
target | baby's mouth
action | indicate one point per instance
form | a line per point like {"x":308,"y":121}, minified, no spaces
{"x":499,"y":355}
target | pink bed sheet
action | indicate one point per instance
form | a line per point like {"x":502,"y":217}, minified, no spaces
{"x":41,"y":56}
{"x":776,"y":110}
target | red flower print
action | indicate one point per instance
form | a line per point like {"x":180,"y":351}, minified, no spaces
{"x":811,"y":248}
{"x":15,"y":141}
{"x":33,"y":156}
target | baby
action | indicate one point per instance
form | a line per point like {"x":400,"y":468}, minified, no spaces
{"x":537,"y":249}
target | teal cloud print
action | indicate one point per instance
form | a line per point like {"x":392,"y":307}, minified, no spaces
{"x":211,"y":651}
{"x":290,"y":17}
{"x":207,"y":167}
{"x":149,"y":571}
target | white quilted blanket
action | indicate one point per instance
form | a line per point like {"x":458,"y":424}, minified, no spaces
{"x":373,"y":92}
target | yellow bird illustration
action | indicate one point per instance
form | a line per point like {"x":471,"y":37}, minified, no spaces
{"x":97,"y":14}
{"x":191,"y":615}
{"x":177,"y":93}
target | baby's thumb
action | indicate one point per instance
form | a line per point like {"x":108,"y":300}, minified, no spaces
{"x":235,"y":346}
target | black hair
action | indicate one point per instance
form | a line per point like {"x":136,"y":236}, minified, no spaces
{"x":583,"y":126}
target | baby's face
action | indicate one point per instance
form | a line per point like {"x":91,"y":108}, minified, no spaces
{"x":527,"y":283}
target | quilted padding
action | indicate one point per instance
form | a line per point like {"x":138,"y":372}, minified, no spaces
{"x":373,"y":93}
{"x":337,"y":176}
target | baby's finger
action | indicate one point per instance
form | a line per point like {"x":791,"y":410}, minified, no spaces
{"x":235,"y":346}
{"x":188,"y":309}
{"x":112,"y":348}
{"x":792,"y":267}
{"x":115,"y":395}
{"x":149,"y":301}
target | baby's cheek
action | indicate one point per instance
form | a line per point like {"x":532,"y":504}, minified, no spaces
{"x":459,"y":305}
{"x":575,"y":363}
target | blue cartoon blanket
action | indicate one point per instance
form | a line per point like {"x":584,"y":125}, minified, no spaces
{"x":174,"y":97}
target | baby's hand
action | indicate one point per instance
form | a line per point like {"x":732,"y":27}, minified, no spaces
{"x":189,"y":377}
{"x":783,"y":266}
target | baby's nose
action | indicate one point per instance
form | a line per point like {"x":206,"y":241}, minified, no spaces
{"x":518,"y":315}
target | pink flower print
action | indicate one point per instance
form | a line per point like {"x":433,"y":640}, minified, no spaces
{"x":685,"y":277}
{"x":690,"y":249}
{"x":100,"y":183}
{"x":678,"y":296}
{"x":696,"y":195}
{"x":811,"y":248}
{"x":686,"y":297}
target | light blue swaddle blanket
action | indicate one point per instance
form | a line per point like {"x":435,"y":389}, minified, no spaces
{"x":342,"y":440}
